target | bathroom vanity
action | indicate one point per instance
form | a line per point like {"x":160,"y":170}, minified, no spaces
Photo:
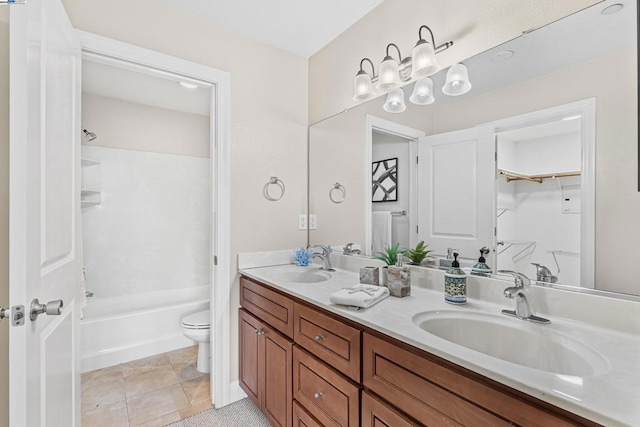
{"x":305,"y":361}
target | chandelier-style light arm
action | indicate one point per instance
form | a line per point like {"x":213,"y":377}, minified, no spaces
{"x":373,"y":70}
{"x":437,"y":49}
{"x":397,"y":48}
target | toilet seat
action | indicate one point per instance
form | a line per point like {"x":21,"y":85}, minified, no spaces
{"x":199,"y":320}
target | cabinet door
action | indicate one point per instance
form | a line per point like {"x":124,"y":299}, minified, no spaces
{"x":250,"y":368}
{"x":278,"y":394}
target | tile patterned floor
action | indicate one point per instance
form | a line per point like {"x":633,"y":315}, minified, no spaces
{"x":154,"y":391}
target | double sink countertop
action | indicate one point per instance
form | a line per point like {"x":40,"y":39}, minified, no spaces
{"x":610,"y":395}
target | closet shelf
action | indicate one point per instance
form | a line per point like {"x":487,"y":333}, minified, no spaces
{"x":515,"y":176}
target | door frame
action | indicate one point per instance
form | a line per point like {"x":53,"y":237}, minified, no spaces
{"x":97,"y":46}
{"x":587,"y":109}
{"x":373,"y":123}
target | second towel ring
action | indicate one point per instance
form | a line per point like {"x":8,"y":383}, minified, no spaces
{"x":341,"y":196}
{"x":273,"y":180}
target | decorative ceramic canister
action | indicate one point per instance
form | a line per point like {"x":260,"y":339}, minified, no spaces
{"x":399,"y":280}
{"x":370,"y":276}
{"x":455,"y":283}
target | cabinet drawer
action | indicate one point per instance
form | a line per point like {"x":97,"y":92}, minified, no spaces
{"x":324,"y":393}
{"x":332,"y":341}
{"x":301,"y":418}
{"x":270,"y":306}
{"x":378,"y":414}
{"x":406,"y":381}
{"x":427,"y":390}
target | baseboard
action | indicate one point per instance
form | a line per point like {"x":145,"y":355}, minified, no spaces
{"x":235,"y":392}
{"x":112,"y":357}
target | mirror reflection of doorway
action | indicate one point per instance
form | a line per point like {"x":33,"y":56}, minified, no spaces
{"x":390,"y":218}
{"x":539,"y":200}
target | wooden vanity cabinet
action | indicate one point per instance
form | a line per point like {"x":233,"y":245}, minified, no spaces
{"x":341,"y":374}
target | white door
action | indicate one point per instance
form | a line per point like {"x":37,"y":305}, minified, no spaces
{"x":456,"y":180}
{"x":44,"y":213}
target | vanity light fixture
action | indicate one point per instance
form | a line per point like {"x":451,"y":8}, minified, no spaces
{"x":457,"y":82}
{"x":362,"y":86}
{"x":423,"y":57}
{"x":395,"y":101}
{"x":390,"y":71}
{"x":393,"y":73}
{"x":423,"y":92}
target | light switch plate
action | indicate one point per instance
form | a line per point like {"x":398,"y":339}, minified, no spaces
{"x":312,"y":222}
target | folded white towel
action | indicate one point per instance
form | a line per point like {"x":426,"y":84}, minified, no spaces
{"x":362,"y":296}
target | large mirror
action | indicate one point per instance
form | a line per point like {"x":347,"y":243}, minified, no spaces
{"x":538,"y":161}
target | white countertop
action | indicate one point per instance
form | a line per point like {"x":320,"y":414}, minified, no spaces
{"x":611,"y":398}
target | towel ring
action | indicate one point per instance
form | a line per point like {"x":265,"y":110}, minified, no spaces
{"x":275,"y":181}
{"x":341,"y":196}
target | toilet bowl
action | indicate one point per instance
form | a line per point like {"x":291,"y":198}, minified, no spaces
{"x":197,"y":327}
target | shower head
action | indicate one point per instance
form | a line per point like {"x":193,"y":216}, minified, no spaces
{"x":90,"y":136}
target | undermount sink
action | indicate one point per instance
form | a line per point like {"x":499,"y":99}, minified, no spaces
{"x":513,"y":340}
{"x":305,"y":276}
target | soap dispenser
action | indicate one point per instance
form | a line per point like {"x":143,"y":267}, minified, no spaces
{"x":481,"y":268}
{"x":455,"y":283}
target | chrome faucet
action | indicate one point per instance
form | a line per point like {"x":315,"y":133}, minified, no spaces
{"x":325,"y":257}
{"x":450,"y":252}
{"x":543,"y":274}
{"x":347,"y":250}
{"x":523,"y":309}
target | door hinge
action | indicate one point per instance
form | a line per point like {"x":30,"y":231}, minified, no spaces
{"x":215,"y":260}
{"x":417,"y":229}
{"x":495,"y":231}
{"x":417,"y":160}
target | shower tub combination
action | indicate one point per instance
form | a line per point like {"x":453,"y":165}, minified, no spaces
{"x":128,"y":327}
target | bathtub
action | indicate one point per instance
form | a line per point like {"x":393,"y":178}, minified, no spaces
{"x":124,"y":328}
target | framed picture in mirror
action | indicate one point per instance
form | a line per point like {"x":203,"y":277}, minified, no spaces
{"x":384,"y":179}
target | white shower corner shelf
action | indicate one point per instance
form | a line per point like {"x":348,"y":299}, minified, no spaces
{"x":90,"y":195}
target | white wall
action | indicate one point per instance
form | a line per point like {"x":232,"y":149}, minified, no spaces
{"x":268,"y":116}
{"x":151,"y":229}
{"x":133,"y":126}
{"x":387,"y":146}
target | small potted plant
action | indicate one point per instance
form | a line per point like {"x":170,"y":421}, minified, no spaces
{"x":418,"y":254}
{"x":389,"y":255}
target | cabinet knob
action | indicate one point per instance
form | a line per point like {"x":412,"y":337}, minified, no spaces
{"x":318,"y":395}
{"x":259,"y":331}
{"x":319,"y":337}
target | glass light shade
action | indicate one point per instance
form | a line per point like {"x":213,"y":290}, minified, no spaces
{"x":457,"y":81}
{"x":389,"y":77}
{"x":423,"y":60}
{"x":395,"y":101}
{"x":422,"y":92}
{"x":362,"y":87}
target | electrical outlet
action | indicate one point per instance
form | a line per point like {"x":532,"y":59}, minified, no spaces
{"x":312,"y":222}
{"x":302,"y":222}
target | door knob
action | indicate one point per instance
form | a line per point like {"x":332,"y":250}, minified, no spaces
{"x":4,"y":313}
{"x":52,"y":308}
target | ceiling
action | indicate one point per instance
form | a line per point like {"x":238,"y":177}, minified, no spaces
{"x":301,"y":27}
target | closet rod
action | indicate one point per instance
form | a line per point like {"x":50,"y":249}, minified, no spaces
{"x":514,"y":176}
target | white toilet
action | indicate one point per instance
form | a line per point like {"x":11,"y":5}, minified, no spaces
{"x":197,"y":327}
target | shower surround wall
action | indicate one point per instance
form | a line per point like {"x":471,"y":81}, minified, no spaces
{"x":151,"y":230}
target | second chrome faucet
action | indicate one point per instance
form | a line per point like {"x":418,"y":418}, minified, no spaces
{"x":523,"y":308}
